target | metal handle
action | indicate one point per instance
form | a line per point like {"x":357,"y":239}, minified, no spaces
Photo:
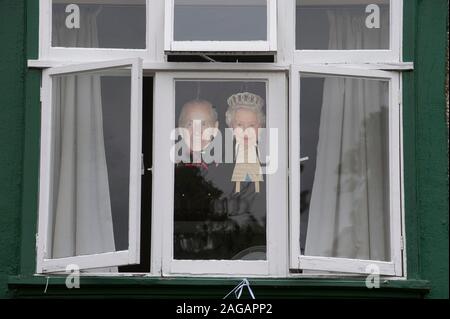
{"x":304,"y":159}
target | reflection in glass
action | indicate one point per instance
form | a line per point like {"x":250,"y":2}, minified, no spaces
{"x":342,"y":25}
{"x":102,"y":24}
{"x":220,"y":20}
{"x":345,"y":179}
{"x":212,"y":219}
{"x":91,"y":163}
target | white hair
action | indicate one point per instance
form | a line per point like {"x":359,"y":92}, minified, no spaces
{"x":247,"y":101}
{"x":182,"y":117}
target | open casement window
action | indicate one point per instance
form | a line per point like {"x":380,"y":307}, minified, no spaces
{"x":345,"y":161}
{"x":220,"y":26}
{"x":90,"y":173}
{"x":350,"y":31}
{"x":86,"y":30}
{"x":214,"y":216}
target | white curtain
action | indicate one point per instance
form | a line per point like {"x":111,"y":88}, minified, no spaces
{"x":348,"y":30}
{"x":348,"y":214}
{"x":82,"y":208}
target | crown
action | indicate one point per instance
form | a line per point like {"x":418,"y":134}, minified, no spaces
{"x":245,"y":98}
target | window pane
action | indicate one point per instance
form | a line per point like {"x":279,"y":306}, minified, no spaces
{"x":91,"y":163}
{"x":343,"y":25}
{"x":102,"y":24}
{"x":220,"y":20}
{"x":220,"y":201}
{"x":344,"y":167}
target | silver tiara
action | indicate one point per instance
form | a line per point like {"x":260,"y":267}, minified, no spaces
{"x":245,"y":98}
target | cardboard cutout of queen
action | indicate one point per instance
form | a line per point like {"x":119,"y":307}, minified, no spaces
{"x":245,"y":116}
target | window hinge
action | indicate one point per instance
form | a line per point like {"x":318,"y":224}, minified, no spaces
{"x":40,"y":94}
{"x":402,"y":243}
{"x":37,"y":241}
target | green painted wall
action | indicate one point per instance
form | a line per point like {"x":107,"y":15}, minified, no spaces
{"x":12,"y":131}
{"x":425,"y":152}
{"x":431,"y":136}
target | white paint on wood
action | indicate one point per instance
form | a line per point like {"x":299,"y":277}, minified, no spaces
{"x":131,"y":256}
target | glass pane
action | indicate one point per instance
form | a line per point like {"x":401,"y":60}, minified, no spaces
{"x":220,"y":193}
{"x":99,"y":24}
{"x":343,"y":25}
{"x":344,"y":167}
{"x":91,"y":163}
{"x":220,"y":20}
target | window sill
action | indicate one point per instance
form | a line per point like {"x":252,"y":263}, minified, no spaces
{"x":34,"y":286}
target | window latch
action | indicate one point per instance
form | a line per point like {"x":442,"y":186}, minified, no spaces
{"x":143,"y":169}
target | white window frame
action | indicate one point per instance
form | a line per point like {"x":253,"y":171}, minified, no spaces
{"x":117,"y":258}
{"x":364,"y":63}
{"x":276,"y":264}
{"x":270,"y":45}
{"x":393,"y":55}
{"x":48,"y":52}
{"x":345,"y":265}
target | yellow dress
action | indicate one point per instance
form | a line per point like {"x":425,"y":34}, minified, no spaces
{"x":247,"y":167}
